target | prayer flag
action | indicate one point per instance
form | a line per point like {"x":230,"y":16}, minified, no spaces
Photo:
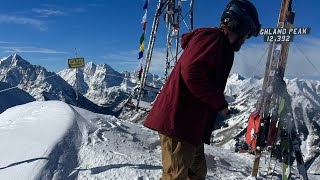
{"x":144,"y":26}
{"x":145,"y":5}
{"x":144,"y":18}
{"x":140,"y":54}
{"x":142,"y":47}
{"x":142,"y":38}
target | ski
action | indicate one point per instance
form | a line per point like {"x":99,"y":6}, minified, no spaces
{"x":273,"y":116}
{"x":290,"y":142}
{"x":266,"y":113}
{"x":299,"y":157}
{"x":285,"y":153}
{"x":283,"y":112}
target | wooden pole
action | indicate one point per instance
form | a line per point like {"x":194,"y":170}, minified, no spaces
{"x":272,"y":63}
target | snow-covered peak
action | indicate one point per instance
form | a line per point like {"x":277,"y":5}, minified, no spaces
{"x":310,"y":88}
{"x":13,"y":61}
{"x":90,"y":67}
{"x":15,"y":70}
{"x":17,"y":57}
{"x":235,"y":77}
{"x":99,"y":83}
{"x":41,"y":84}
{"x":237,"y":85}
{"x":90,"y":63}
{"x":104,"y":85}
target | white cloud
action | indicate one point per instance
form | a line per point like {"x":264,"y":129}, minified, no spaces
{"x":31,"y":50}
{"x":48,"y":12}
{"x":24,"y":21}
{"x":246,"y":61}
{"x":58,"y":10}
{"x":158,"y":61}
{"x":6,"y":42}
{"x":301,"y":57}
{"x":249,"y":61}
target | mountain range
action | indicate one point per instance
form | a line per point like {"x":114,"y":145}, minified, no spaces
{"x":101,"y":89}
{"x":43,"y":85}
{"x":105,"y":86}
{"x":243,"y":95}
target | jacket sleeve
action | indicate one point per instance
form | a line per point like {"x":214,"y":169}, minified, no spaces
{"x":194,"y":71}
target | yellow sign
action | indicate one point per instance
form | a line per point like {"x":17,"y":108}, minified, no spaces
{"x":76,"y":62}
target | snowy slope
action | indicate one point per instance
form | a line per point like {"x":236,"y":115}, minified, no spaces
{"x":243,"y":95}
{"x":12,"y":97}
{"x":36,"y":137}
{"x":41,"y":84}
{"x":306,"y":105}
{"x":52,"y":140}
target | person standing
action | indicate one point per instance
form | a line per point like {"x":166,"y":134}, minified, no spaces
{"x":184,"y":113}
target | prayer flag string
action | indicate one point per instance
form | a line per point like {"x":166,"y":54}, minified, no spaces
{"x":142,"y":37}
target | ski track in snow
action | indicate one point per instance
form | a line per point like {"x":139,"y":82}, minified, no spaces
{"x":125,"y":150}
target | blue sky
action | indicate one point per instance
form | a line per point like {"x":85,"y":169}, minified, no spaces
{"x":45,"y":32}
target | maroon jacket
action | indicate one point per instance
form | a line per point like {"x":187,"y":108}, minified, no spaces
{"x":187,"y":105}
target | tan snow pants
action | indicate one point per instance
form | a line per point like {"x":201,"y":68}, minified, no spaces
{"x":181,"y":160}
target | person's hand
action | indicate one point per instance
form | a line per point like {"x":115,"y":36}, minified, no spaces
{"x":225,"y":112}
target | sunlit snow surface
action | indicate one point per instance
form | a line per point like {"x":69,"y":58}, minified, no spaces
{"x":52,"y":140}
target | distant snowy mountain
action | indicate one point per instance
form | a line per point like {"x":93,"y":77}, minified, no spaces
{"x":105,"y":86}
{"x":41,"y":84}
{"x":243,"y":95}
{"x":12,"y":97}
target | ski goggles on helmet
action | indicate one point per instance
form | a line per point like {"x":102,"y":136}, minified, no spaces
{"x":248,"y":22}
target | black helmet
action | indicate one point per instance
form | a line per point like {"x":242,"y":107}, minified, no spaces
{"x":245,"y":17}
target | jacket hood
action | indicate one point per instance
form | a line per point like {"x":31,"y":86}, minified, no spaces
{"x":186,"y":38}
